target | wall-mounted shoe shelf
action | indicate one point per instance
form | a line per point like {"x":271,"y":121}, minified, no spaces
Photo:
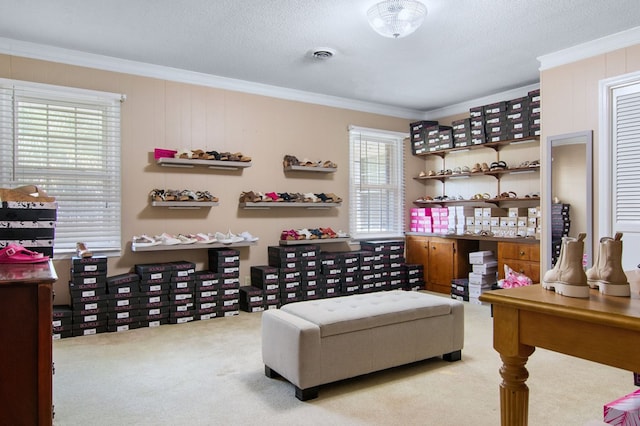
{"x":211,"y":164}
{"x":493,"y":145}
{"x":494,"y":173}
{"x":193,"y":246}
{"x":314,"y":241}
{"x":187,"y":205}
{"x":495,"y":201}
{"x":316,"y":169}
{"x":263,"y":205}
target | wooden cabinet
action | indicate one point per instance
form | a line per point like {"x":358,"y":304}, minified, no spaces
{"x":443,"y":258}
{"x":26,"y":311}
{"x":523,"y":257}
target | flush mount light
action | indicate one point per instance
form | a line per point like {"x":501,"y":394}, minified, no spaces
{"x":396,"y":18}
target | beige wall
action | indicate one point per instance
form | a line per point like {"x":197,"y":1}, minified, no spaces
{"x":165,"y":114}
{"x":570,"y":101}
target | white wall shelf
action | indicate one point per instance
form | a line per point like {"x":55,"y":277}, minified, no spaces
{"x":193,"y":246}
{"x":316,"y":169}
{"x":211,"y":164}
{"x":263,"y":205}
{"x":184,"y":204}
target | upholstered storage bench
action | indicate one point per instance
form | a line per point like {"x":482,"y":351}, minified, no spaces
{"x":315,"y":342}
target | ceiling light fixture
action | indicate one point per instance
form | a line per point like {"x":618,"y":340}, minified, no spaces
{"x":396,"y":18}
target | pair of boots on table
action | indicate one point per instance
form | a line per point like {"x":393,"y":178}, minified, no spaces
{"x":570,"y":279}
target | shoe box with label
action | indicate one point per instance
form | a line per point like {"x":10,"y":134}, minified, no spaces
{"x":419,"y":135}
{"x":414,"y":277}
{"x":483,"y":275}
{"x":182,"y":305}
{"x":89,"y":298}
{"x":226,"y":263}
{"x":388,"y":265}
{"x":154,"y":284}
{"x":62,"y":321}
{"x":123,"y":302}
{"x":267,"y":279}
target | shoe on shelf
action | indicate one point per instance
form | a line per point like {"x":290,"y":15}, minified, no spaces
{"x":342,"y":234}
{"x":168,"y":239}
{"x":202,"y":238}
{"x":144,"y":241}
{"x":82,"y":250}
{"x":184,"y":239}
{"x":248,"y":237}
{"x":223,"y":238}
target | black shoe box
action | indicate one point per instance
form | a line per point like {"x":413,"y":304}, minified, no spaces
{"x":87,"y":296}
{"x":334,"y":280}
{"x":153,"y":322}
{"x":367,"y":258}
{"x":382,"y":285}
{"x":418,"y":126}
{"x":151,"y":314}
{"x":223,"y":258}
{"x":251,"y":294}
{"x":285,"y":263}
{"x":368,"y":287}
{"x":124,"y":280}
{"x":229,"y":272}
{"x":494,"y":108}
{"x":144,"y":270}
{"x":88,"y":282}
{"x":272,"y":298}
{"x":311,"y":294}
{"x":229,"y":311}
{"x":309,"y":252}
{"x":461,"y":127}
{"x":367,"y":276}
{"x":332,"y":270}
{"x":182,"y":284}
{"x":83,"y":264}
{"x":350,"y":278}
{"x":268,"y":288}
{"x":189,"y":307}
{"x":208,"y":306}
{"x":61,"y":334}
{"x":124,"y":313}
{"x":353,"y":288}
{"x":123,"y":318}
{"x":290,"y":297}
{"x":227,"y":283}
{"x":119,"y":326}
{"x":230,"y":294}
{"x":122,"y":304}
{"x":476,"y":112}
{"x":397,"y":284}
{"x":89,"y":328}
{"x":330,"y":259}
{"x":89,"y":270}
{"x":383,"y":246}
{"x":62,"y":313}
{"x":207,"y":314}
{"x":210,"y":295}
{"x":318,"y":282}
{"x":331,"y":291}
{"x":309,"y":274}
{"x":153,"y":300}
{"x":58,"y":326}
{"x":90,"y":317}
{"x":182,"y":268}
{"x":98,"y":305}
{"x":182,"y":317}
{"x":181,"y":298}
{"x":206,"y":278}
{"x":459,"y":297}
{"x":283,"y":253}
{"x":395,"y":273}
{"x":154,"y":286}
{"x":287,"y":275}
{"x":261,"y":275}
{"x":290,"y":286}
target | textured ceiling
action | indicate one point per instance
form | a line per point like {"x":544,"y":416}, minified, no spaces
{"x":466,"y":49}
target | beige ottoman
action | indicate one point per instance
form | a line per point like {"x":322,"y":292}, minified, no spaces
{"x":321,"y":341}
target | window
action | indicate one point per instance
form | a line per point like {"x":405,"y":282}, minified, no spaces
{"x":619,"y":158}
{"x":377,"y":183}
{"x":67,"y":142}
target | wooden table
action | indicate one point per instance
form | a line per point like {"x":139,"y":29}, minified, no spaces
{"x":603,"y":329}
{"x":26,"y":311}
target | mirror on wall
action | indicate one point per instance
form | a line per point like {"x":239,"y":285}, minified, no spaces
{"x":568,"y":192}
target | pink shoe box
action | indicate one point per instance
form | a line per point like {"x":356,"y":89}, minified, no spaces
{"x":164,"y":153}
{"x":420,"y":211}
{"x":624,"y":411}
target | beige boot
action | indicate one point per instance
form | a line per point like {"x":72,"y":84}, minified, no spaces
{"x":607,"y":273}
{"x":567,"y":277}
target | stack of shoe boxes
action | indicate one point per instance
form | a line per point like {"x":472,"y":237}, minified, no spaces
{"x":366,"y":262}
{"x":461,"y":132}
{"x":28,"y":224}
{"x":311,"y":280}
{"x":389,"y":256}
{"x":207,"y":295}
{"x":478,"y":134}
{"x":560,"y":224}
{"x":414,"y":277}
{"x":251,"y":299}
{"x":226,"y":262}
{"x":182,"y":292}
{"x":332,"y":270}
{"x":419,"y":137}
{"x":123,"y":302}
{"x":460,"y":289}
{"x":495,"y":119}
{"x":89,"y":299}
{"x":289,"y":263}
{"x":439,"y":137}
{"x":267,"y":279}
{"x":62,"y":322}
{"x":350,"y":262}
{"x":534,"y":113}
{"x":518,"y":113}
{"x":154,"y":303}
{"x":483,"y":275}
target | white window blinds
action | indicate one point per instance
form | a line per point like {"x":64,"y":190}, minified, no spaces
{"x":376,"y":195}
{"x":626,"y":158}
{"x":67,"y":142}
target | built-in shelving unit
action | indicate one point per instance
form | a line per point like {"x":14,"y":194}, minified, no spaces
{"x":211,"y":164}
{"x":263,"y":205}
{"x":193,"y":246}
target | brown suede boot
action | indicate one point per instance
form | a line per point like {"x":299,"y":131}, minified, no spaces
{"x":607,"y":274}
{"x":567,"y":277}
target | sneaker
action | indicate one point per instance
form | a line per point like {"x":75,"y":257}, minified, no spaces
{"x":186,"y":240}
{"x":144,"y":241}
{"x":342,"y":234}
{"x":222,"y":238}
{"x":248,"y":237}
{"x":233,"y":237}
{"x":202,"y":238}
{"x":168,"y":239}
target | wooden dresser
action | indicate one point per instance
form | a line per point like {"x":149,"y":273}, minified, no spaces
{"x":26,"y":309}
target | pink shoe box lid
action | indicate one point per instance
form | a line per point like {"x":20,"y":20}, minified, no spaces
{"x":164,"y":153}
{"x":623,"y":411}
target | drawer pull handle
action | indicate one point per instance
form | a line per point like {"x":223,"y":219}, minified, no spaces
{"x":521,"y":253}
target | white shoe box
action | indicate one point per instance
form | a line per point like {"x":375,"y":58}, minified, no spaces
{"x":490,"y":267}
{"x":480,"y":257}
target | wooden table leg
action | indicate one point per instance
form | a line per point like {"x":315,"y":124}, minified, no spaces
{"x":514,"y":393}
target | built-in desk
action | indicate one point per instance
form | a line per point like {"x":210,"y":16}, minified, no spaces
{"x":26,"y":310}
{"x":603,"y":329}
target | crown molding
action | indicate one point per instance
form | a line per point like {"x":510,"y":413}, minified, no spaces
{"x":464,"y":107}
{"x":592,"y":48}
{"x":108,"y":63}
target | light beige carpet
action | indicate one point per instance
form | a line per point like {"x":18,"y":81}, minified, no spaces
{"x":210,"y":373}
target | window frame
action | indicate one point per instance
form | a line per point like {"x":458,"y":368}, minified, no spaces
{"x":99,"y":157}
{"x":394,"y":189}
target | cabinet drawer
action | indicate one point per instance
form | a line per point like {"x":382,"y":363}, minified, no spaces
{"x":515,"y":251}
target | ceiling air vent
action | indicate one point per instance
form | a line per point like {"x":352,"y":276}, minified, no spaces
{"x":322,"y":53}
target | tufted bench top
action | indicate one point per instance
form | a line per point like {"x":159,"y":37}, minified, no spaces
{"x":346,"y":314}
